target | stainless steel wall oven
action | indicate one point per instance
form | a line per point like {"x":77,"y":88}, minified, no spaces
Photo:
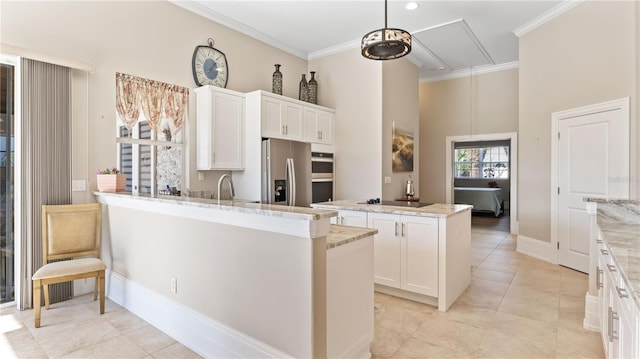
{"x":321,"y":177}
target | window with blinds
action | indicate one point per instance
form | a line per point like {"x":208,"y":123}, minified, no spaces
{"x":482,"y":162}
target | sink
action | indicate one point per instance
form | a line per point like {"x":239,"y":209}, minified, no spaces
{"x":401,"y":204}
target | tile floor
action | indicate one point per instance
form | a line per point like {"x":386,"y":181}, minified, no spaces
{"x":515,"y":307}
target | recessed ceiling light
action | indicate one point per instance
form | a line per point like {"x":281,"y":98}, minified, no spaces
{"x":411,"y":5}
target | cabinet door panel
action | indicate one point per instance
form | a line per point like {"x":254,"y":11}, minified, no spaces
{"x":353,"y":218}
{"x":420,"y":255}
{"x":386,"y":246}
{"x":227,"y":132}
{"x":293,"y":123}
{"x":310,"y":125}
{"x":325,"y":127}
{"x":272,"y":118}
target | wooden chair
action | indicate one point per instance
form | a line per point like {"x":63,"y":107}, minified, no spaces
{"x":69,"y":232}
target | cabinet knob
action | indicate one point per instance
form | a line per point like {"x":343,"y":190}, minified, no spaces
{"x":611,"y":268}
{"x":604,"y":252}
{"x":622,"y":293}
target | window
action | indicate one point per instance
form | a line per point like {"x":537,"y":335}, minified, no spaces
{"x":151,"y":159}
{"x":482,"y":162}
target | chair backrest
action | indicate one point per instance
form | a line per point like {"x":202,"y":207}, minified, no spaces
{"x":71,"y":230}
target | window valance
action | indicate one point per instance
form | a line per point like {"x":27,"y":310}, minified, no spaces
{"x":155,"y":100}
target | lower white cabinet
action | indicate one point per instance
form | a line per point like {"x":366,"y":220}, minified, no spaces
{"x":406,"y":252}
{"x":617,"y":310}
{"x":350,"y":218}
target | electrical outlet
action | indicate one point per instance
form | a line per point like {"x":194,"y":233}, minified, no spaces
{"x":200,"y":176}
{"x":174,"y":285}
{"x":387,"y":179}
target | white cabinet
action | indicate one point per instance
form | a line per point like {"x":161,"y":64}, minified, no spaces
{"x":406,"y":252}
{"x":350,"y":218}
{"x":318,"y":126}
{"x":617,"y":310}
{"x":219,"y":128}
{"x":281,"y":119}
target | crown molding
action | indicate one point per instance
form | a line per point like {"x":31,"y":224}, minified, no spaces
{"x":237,"y":26}
{"x":472,"y":71}
{"x":334,"y":49}
{"x":549,"y":15}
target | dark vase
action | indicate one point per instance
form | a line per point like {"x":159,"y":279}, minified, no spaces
{"x":313,"y":88}
{"x":276,"y":86}
{"x":304,"y":89}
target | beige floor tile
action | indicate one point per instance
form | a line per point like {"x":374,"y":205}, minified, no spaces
{"x":489,"y":286}
{"x":475,"y":299}
{"x":483,"y":245}
{"x":400,"y":319}
{"x":150,"y":338}
{"x":415,"y":348}
{"x":19,"y":343}
{"x":500,"y":267}
{"x":576,"y":284}
{"x":386,"y":342}
{"x":571,"y":312}
{"x":493,"y":275}
{"x":516,"y":337}
{"x":445,"y":331}
{"x":527,"y":308}
{"x":118,"y":347}
{"x":60,"y":340}
{"x":176,"y":351}
{"x":579,"y":343}
{"x":123,"y":320}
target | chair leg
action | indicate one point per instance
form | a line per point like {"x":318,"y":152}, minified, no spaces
{"x":36,"y":302}
{"x":95,"y":290}
{"x":46,"y":296}
{"x":101,"y":292}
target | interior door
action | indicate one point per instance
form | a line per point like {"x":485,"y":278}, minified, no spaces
{"x":593,"y":161}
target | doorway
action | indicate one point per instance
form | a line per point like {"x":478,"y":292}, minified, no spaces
{"x":498,"y":139}
{"x":590,"y":158}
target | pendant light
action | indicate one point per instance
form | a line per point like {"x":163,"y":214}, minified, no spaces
{"x":386,"y":43}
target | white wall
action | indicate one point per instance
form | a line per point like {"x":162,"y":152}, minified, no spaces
{"x":585,"y":56}
{"x":353,"y":86}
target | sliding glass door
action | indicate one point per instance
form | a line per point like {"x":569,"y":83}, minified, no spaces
{"x":7,"y":247}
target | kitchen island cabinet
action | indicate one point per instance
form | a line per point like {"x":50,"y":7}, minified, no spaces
{"x":253,"y":280}
{"x":422,"y":254}
{"x":613,"y":301}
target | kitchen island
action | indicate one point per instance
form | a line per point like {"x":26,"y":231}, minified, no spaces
{"x":240,"y":279}
{"x":420,"y":253}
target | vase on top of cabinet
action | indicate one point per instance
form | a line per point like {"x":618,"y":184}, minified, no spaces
{"x":276,"y":86}
{"x":313,"y":88}
{"x":303,"y":94}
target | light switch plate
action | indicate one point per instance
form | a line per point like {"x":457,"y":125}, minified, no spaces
{"x":387,"y":179}
{"x":78,"y":185}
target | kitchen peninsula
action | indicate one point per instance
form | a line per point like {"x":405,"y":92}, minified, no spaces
{"x":240,"y":279}
{"x":421,"y":253}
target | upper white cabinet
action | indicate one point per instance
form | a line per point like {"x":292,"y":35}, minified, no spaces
{"x":318,"y":125}
{"x":219,"y":128}
{"x":281,"y":119}
{"x":290,"y":119}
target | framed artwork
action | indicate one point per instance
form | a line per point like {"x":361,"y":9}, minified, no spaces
{"x":401,"y":148}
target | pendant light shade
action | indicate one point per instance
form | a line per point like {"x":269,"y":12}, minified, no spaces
{"x":386,"y":43}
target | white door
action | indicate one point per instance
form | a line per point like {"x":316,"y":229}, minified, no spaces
{"x":593,"y":161}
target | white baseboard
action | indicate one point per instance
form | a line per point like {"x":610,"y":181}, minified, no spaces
{"x":535,"y":248}
{"x":591,"y":321}
{"x":201,"y":334}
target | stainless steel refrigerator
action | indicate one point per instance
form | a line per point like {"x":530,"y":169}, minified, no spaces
{"x":286,"y":172}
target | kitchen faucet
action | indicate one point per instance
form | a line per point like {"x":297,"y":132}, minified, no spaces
{"x":231,"y":190}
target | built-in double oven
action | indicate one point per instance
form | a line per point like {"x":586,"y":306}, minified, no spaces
{"x":321,"y":177}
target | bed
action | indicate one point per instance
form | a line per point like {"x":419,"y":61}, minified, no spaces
{"x":482,"y":198}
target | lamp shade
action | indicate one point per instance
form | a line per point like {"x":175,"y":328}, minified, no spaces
{"x":386,"y":44}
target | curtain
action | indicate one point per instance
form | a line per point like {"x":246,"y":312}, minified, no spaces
{"x":157,"y":100}
{"x":46,"y":162}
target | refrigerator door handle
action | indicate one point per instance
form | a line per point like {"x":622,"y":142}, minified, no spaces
{"x":291,"y":182}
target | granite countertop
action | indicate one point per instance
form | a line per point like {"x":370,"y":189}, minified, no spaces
{"x":340,"y":235}
{"x":303,"y":213}
{"x":434,"y":210}
{"x":619,"y":222}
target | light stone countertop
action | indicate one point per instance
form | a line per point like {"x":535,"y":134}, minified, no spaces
{"x":619,"y":222}
{"x":434,"y":210}
{"x":302,"y":213}
{"x":340,"y":235}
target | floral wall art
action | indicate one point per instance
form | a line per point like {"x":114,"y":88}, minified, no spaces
{"x":402,"y":148}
